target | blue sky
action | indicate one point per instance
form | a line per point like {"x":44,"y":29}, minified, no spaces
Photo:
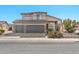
{"x":10,"y":13}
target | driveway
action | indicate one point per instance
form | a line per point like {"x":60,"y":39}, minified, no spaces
{"x":70,"y":35}
{"x":25,"y":34}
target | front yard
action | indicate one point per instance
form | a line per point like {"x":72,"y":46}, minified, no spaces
{"x":70,"y":35}
{"x":65,"y":35}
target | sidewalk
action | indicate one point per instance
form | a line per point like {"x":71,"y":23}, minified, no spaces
{"x":37,"y":40}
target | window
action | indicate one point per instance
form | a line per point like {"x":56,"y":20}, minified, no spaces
{"x":43,"y":16}
{"x":52,"y":25}
{"x":39,"y":16}
{"x":34,"y":16}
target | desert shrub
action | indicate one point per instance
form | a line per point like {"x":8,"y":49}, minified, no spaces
{"x":59,"y":34}
{"x":1,"y":31}
{"x":51,"y":34}
{"x":55,"y":34}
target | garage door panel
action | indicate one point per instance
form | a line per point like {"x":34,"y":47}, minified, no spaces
{"x":35,"y":28}
{"x":19,"y":28}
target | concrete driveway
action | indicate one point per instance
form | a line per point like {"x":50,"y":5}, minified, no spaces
{"x":70,"y":35}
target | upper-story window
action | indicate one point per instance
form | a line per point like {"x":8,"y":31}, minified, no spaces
{"x":34,"y":16}
{"x":27,"y":17}
{"x":39,"y":16}
{"x":43,"y":16}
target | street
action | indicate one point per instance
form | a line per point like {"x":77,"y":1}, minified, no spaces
{"x":39,"y":48}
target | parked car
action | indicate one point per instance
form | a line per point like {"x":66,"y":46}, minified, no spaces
{"x":76,"y":32}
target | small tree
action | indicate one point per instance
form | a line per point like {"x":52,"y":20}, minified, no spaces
{"x":69,"y":25}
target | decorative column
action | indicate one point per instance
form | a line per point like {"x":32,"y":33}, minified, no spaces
{"x":56,"y":26}
{"x":13,"y":28}
{"x":25,"y":29}
{"x":45,"y":28}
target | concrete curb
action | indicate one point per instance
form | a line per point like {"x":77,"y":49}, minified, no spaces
{"x":38,"y":40}
{"x":6,"y":37}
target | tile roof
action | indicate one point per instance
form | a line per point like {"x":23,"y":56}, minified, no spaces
{"x":54,"y":17}
{"x":32,"y":13}
{"x":3,"y":22}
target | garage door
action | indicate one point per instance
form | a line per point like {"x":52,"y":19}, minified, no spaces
{"x":19,"y":28}
{"x":35,"y":28}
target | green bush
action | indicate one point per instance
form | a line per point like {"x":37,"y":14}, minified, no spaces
{"x":50,"y":29}
{"x":59,"y":35}
{"x":69,"y":25}
{"x":51,"y":34}
{"x":1,"y":31}
{"x":71,"y":30}
{"x":55,"y":34}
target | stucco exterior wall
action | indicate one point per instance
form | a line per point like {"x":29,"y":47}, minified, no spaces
{"x":55,"y":23}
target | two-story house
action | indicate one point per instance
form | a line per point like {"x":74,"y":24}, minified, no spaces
{"x":36,"y":22}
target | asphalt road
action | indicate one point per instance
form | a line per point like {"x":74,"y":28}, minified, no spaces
{"x":39,"y":48}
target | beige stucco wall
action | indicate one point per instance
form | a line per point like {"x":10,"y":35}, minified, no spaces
{"x":53,"y":20}
{"x":61,"y":27}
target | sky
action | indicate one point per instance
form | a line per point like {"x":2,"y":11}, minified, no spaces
{"x":10,"y":13}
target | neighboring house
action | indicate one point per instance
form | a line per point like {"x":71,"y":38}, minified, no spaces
{"x":4,"y":25}
{"x":36,"y":22}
